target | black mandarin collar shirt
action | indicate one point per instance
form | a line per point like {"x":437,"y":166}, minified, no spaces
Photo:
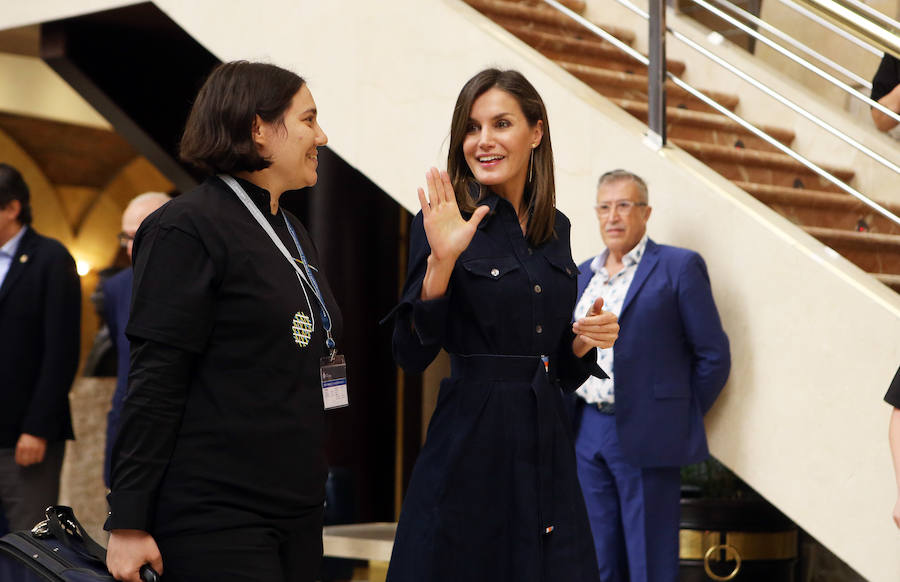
{"x":223,"y":425}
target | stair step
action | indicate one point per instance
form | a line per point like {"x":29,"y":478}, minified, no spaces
{"x":573,"y":5}
{"x":761,"y":167}
{"x":708,"y":127}
{"x":872,"y":252}
{"x":616,"y":84}
{"x":892,"y":281}
{"x":592,"y":51}
{"x":541,"y":17}
{"x":817,"y":208}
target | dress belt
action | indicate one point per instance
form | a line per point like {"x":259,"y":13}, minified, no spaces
{"x":536,"y":371}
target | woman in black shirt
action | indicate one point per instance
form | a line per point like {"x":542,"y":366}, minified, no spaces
{"x":219,"y":468}
{"x":494,"y":494}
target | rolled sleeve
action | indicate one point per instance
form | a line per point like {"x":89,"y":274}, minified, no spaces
{"x":173,"y":298}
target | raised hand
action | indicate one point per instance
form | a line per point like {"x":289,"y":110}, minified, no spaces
{"x":447,"y":231}
{"x":596,"y":329}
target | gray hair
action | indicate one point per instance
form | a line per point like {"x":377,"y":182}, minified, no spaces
{"x":158,"y":197}
{"x":618,"y":175}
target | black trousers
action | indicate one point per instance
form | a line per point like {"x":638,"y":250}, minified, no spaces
{"x":253,"y":554}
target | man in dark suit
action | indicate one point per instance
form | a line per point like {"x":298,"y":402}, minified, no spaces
{"x":635,"y":430}
{"x":40,"y":319}
{"x":117,"y":306}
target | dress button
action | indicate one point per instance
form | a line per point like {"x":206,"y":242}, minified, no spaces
{"x":530,"y":251}
{"x":494,"y":272}
{"x":539,"y":329}
{"x":537,"y":288}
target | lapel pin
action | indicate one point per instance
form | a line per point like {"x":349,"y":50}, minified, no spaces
{"x":23,"y":259}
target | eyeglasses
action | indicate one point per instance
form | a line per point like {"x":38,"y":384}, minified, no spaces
{"x":623,"y":207}
{"x":124,"y":239}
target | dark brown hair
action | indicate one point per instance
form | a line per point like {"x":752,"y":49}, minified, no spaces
{"x":218,"y":134}
{"x":540,"y":192}
{"x":13,"y":187}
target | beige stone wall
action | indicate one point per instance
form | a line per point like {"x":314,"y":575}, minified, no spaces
{"x":81,"y":485}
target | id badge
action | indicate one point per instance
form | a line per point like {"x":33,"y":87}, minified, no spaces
{"x":333,"y":372}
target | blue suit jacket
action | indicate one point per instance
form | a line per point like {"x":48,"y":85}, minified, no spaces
{"x":116,"y":306}
{"x":671,"y":359}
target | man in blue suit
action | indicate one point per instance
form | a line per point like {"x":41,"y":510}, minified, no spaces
{"x":635,"y":430}
{"x":116,"y":308}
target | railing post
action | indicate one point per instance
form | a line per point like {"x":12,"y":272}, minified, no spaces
{"x":656,"y":82}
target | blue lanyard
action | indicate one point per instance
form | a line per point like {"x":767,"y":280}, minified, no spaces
{"x":326,"y":319}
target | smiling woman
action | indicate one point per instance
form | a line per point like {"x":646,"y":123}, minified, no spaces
{"x":219,"y":465}
{"x":494,"y":494}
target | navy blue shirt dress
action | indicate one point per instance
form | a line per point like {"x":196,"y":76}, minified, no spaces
{"x":494,"y":494}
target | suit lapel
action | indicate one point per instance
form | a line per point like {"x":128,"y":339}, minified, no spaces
{"x":20,"y":262}
{"x":645,"y":267}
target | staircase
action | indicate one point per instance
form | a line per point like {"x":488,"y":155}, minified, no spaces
{"x":814,"y":337}
{"x":819,"y":207}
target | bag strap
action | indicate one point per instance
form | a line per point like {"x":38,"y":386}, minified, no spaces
{"x":66,"y":528}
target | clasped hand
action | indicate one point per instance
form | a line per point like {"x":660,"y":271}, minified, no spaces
{"x":128,"y":550}
{"x":596,"y":329}
{"x":30,"y":450}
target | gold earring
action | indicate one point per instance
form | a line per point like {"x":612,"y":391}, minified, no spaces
{"x":531,"y":163}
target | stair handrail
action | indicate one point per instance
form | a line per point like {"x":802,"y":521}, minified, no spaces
{"x":797,"y":59}
{"x":861,"y":21}
{"x":656,"y":137}
{"x":825,"y":23}
{"x":785,"y":37}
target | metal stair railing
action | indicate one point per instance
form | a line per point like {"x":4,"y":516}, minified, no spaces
{"x":785,"y":37}
{"x":656,"y":93}
{"x":797,"y":59}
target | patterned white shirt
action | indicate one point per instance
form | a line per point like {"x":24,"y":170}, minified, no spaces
{"x":613,"y":291}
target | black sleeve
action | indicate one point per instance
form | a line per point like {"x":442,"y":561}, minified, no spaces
{"x":892,"y":396}
{"x":62,"y":338}
{"x":173,"y":298}
{"x":886,"y":77}
{"x":573,"y":371}
{"x":419,"y":325}
{"x":172,"y":315}
{"x":151,"y":417}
